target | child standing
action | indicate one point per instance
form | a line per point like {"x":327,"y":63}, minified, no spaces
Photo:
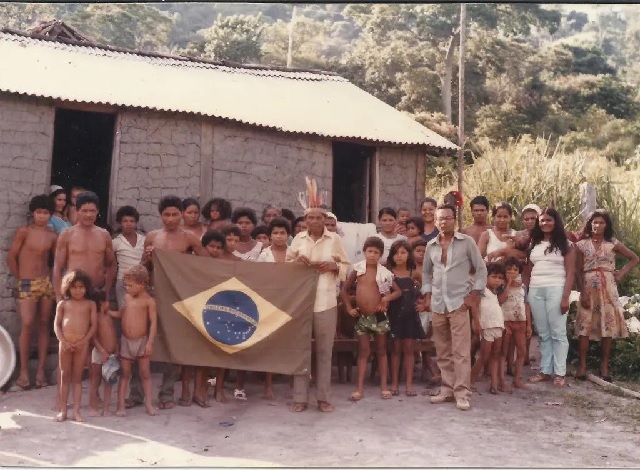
{"x":492,"y":324}
{"x":139,"y":325}
{"x":276,"y":252}
{"x":373,"y":285}
{"x":75,"y":325}
{"x":388,"y":235}
{"x":404,"y":321}
{"x":105,"y":344}
{"x":517,"y":319}
{"x":28,"y":261}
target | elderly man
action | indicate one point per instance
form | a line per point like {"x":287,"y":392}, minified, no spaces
{"x":449,"y":259}
{"x":323,"y":250}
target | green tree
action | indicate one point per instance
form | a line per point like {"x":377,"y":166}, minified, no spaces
{"x":235,"y":38}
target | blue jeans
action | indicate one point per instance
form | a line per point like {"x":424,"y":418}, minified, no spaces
{"x":551,"y":325}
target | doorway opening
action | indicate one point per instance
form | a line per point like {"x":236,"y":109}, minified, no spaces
{"x":352,"y":186}
{"x":82,"y":152}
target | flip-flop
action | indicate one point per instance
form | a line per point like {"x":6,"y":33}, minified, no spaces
{"x":386,"y":395}
{"x":356,"y":396}
{"x":326,"y":407}
{"x":298,"y":407}
{"x":539,"y":378}
{"x":395,"y":393}
{"x":559,"y":381}
{"x":24,"y":384}
{"x":411,"y":393}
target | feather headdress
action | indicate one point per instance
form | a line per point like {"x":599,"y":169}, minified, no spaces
{"x":312,"y":198}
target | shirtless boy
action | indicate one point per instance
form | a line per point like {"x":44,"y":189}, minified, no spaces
{"x":479,"y":211}
{"x":28,"y":261}
{"x":85,"y":247}
{"x":171,"y":237}
{"x":105,"y":344}
{"x":232,"y":237}
{"x":374,"y":284}
{"x":75,"y":325}
{"x":139,"y":327}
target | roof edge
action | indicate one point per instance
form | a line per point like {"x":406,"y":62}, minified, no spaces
{"x":158,"y":55}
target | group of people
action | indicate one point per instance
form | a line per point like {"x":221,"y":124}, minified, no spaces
{"x":475,"y":292}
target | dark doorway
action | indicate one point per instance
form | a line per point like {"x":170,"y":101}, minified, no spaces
{"x":351,"y":181}
{"x":82,"y":151}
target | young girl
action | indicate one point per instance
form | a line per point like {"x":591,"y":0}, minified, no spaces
{"x":388,"y":235}
{"x":495,"y":241}
{"x":75,"y":325}
{"x":217,"y":213}
{"x":404,"y":321}
{"x":247,"y":248}
{"x":415,"y":230}
{"x":492,"y":324}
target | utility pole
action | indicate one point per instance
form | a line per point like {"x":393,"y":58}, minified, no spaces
{"x":290,"y":49}
{"x":463,"y":38}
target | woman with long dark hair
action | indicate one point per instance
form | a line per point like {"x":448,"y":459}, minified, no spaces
{"x":553,"y":258}
{"x":600,"y":313}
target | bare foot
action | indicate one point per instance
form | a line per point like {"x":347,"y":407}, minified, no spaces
{"x":519,"y":384}
{"x":94,"y":413}
{"x":505,"y":388}
{"x":151,"y":411}
{"x":78,"y":417}
{"x":105,"y":413}
{"x":60,"y":417}
{"x":121,"y":413}
{"x":221,"y":398}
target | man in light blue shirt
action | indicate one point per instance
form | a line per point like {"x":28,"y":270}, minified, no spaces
{"x":449,"y":292}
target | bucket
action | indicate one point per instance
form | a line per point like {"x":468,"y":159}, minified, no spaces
{"x":7,"y":357}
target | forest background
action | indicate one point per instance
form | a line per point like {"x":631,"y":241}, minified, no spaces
{"x":551,"y":91}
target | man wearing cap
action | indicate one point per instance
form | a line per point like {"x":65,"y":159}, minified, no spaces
{"x":319,"y":248}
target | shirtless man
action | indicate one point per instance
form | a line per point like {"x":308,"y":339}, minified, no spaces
{"x":170,"y":237}
{"x":480,"y":212}
{"x":86,"y":247}
{"x":28,"y":261}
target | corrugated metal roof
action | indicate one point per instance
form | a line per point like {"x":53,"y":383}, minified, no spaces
{"x":290,"y":101}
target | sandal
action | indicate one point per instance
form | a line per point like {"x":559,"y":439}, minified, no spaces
{"x":326,"y":407}
{"x":356,"y":396}
{"x":539,"y":378}
{"x":411,"y":393}
{"x":386,"y":395}
{"x":559,"y":381}
{"x":166,"y":405}
{"x":298,"y":407}
{"x":239,"y":395}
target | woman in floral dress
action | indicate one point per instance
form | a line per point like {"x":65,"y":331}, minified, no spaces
{"x":600,"y":313}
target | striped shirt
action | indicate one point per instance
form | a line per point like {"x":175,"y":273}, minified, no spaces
{"x":327,"y":248}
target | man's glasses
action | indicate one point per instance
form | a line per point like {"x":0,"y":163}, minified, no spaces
{"x":445,"y":218}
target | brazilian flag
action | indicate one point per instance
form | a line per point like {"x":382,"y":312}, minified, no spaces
{"x":233,"y":314}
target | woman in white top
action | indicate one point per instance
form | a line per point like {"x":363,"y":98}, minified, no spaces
{"x":553,"y":258}
{"x":247,"y":248}
{"x":497,"y":239}
{"x":388,"y":235}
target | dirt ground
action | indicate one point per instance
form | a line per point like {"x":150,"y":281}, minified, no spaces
{"x":590,"y":428}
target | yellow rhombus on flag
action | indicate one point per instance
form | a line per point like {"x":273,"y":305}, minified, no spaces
{"x":232,"y":316}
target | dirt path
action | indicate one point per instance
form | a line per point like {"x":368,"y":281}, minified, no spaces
{"x":502,"y":430}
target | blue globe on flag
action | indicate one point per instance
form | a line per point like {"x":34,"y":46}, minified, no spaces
{"x":230,"y":317}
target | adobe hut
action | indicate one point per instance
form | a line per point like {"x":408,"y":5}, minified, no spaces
{"x":135,"y":126}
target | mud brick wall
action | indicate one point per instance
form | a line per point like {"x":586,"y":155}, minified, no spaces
{"x":159,"y":155}
{"x":402,"y":177}
{"x":26,"y":137}
{"x":257,"y":167}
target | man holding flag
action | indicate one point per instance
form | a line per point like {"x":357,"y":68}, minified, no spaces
{"x":323,"y":250}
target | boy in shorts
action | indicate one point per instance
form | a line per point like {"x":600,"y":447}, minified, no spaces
{"x":375,"y":288}
{"x":105,"y":344}
{"x":28,"y":261}
{"x":492,"y":324}
{"x":139,"y":326}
